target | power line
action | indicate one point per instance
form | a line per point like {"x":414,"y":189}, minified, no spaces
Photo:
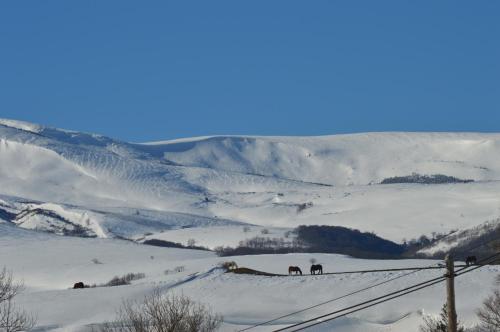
{"x":379,"y":302}
{"x":385,"y":270}
{"x":329,"y":301}
{"x":479,"y":264}
{"x":363,"y":303}
{"x":384,"y":298}
{"x":430,"y":267}
{"x":414,"y":270}
{"x":366,"y":306}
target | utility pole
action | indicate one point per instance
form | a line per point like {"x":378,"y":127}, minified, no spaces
{"x":450,"y":291}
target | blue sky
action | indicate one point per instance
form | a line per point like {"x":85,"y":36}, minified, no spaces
{"x":154,"y":70}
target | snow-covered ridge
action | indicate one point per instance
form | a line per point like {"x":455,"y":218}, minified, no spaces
{"x":348,"y":159}
{"x":202,"y":189}
{"x":462,"y":238}
{"x":352,"y":159}
{"x":262,"y":180}
{"x":26,"y":126}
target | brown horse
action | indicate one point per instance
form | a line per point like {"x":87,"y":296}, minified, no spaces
{"x":295,"y":269}
{"x":316,"y":267}
{"x":470,"y":260}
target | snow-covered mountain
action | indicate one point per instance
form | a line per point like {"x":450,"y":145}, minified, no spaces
{"x":267,"y":181}
{"x":209,"y":190}
{"x":340,"y":160}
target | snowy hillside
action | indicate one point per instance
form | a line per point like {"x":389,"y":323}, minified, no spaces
{"x":257,"y":180}
{"x":340,"y":160}
{"x":463,"y":240}
{"x":49,"y":265}
{"x":107,"y":222}
{"x":111,"y":196}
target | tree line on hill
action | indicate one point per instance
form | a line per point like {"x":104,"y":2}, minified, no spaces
{"x":355,"y":243}
{"x":325,"y":239}
{"x":424,"y":179}
{"x":347,"y":241}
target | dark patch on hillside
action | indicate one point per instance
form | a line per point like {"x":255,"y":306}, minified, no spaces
{"x":245,"y":250}
{"x":424,"y":179}
{"x":6,"y":215}
{"x":481,"y":246}
{"x":244,"y":270}
{"x":342,"y":240}
{"x":73,"y":230}
{"x":321,"y":239}
{"x":170,"y":244}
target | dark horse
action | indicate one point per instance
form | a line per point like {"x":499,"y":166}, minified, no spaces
{"x":78,"y":285}
{"x":316,"y":267}
{"x":295,"y":269}
{"x":470,"y":260}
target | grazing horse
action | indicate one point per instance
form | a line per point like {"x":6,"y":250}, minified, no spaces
{"x":78,"y":285}
{"x":295,"y":269}
{"x":470,"y":260}
{"x":316,"y":267}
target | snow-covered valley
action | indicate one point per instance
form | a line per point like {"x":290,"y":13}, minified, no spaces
{"x":49,"y":265}
{"x":217,"y":191}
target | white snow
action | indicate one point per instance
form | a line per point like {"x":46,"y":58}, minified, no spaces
{"x":263,"y":180}
{"x":49,"y":265}
{"x":22,"y":125}
{"x":208,"y":189}
{"x":215,"y":236}
{"x":105,"y":222}
{"x":343,"y":159}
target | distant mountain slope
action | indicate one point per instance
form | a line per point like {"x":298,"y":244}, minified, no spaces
{"x":78,"y":168}
{"x":267,"y":181}
{"x":481,"y":239}
{"x":354,"y":159}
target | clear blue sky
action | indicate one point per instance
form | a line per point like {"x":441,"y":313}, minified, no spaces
{"x":149,"y":70}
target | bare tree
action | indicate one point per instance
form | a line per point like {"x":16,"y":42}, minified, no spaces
{"x":489,"y":314}
{"x":12,"y":319}
{"x":159,"y":313}
{"x":312,"y":261}
{"x":440,"y":324}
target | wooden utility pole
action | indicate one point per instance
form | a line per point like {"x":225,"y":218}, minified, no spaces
{"x":450,"y":291}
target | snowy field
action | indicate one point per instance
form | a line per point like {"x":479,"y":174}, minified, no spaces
{"x":219,"y":191}
{"x":49,"y":265}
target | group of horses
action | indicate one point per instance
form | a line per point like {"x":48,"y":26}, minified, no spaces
{"x":470,"y":260}
{"x":315,"y":269}
{"x":318,"y":268}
